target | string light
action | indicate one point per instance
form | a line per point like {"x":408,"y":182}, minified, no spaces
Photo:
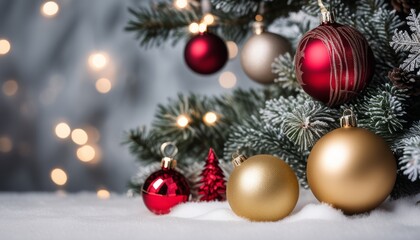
{"x":62,"y":130}
{"x":103,"y":85}
{"x":59,"y":176}
{"x":202,"y":27}
{"x":50,"y":9}
{"x":86,"y":153}
{"x":10,"y":88}
{"x":182,"y":121}
{"x":181,"y":4}
{"x":232,"y":49}
{"x":193,"y":27}
{"x":208,"y":19}
{"x":4,"y":46}
{"x":79,"y":136}
{"x":210,"y":118}
{"x":227,"y":80}
{"x":6,"y":144}
{"x":97,"y":60}
{"x":259,"y":18}
{"x":103,"y":194}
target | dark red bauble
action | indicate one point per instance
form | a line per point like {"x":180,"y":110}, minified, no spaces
{"x":333,"y":63}
{"x":164,"y":189}
{"x":206,"y":53}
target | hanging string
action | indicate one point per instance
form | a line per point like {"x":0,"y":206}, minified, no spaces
{"x":321,"y":5}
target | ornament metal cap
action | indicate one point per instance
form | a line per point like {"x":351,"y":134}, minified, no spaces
{"x":168,"y":150}
{"x":238,"y":159}
{"x":326,"y":17}
{"x":348,"y":119}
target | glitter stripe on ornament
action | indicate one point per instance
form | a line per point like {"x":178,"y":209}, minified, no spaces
{"x":333,"y":63}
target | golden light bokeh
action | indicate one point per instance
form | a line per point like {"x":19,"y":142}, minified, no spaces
{"x":193,"y":27}
{"x":50,"y":9}
{"x":79,"y":136}
{"x":62,"y":130}
{"x":259,"y":18}
{"x":227,"y":80}
{"x":6,"y":144}
{"x":208,"y":19}
{"x":103,"y":194}
{"x":103,"y":85}
{"x":232,"y":49}
{"x":93,"y":133}
{"x":182,"y":121}
{"x":59,"y":176}
{"x":181,"y":4}
{"x":210,"y":118}
{"x":85,"y":153}
{"x":97,"y":60}
{"x":10,"y":88}
{"x":4,"y":46}
{"x":202,"y":27}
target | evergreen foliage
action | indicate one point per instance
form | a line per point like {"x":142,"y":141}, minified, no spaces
{"x":281,"y":119}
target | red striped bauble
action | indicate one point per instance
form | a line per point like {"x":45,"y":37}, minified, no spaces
{"x":333,"y":63}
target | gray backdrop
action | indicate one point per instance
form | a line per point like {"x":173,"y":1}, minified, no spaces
{"x":49,"y":62}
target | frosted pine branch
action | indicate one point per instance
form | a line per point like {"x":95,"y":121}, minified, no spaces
{"x":284,"y":67}
{"x":403,"y":41}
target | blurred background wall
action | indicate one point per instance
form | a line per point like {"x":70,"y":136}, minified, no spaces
{"x":71,"y":83}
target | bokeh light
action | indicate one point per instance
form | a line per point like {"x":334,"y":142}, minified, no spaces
{"x":227,"y":80}
{"x":193,"y":27}
{"x":103,"y":194}
{"x":103,"y":85}
{"x":202,"y":27}
{"x":85,"y":153}
{"x":181,"y":4}
{"x":62,"y":130}
{"x":97,"y":61}
{"x":10,"y":88}
{"x":59,"y":176}
{"x":232,"y":49}
{"x":210,"y":118}
{"x":50,"y":9}
{"x":79,"y":136}
{"x":182,"y":121}
{"x":4,"y":46}
{"x":6,"y":144}
{"x":208,"y":19}
{"x":93,"y":133}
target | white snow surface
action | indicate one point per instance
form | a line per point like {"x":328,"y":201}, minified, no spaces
{"x":84,"y":216}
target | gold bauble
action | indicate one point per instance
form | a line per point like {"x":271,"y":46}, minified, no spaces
{"x":262,"y":188}
{"x":352,"y":169}
{"x":259,"y":53}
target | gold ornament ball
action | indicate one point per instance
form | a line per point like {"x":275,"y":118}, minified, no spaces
{"x":263,"y":188}
{"x":352,"y":169}
{"x":259,"y":53}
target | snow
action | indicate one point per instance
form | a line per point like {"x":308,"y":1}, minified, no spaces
{"x":84,"y":216}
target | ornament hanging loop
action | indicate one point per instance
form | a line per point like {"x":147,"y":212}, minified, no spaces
{"x":238,"y":159}
{"x":168,"y":150}
{"x":348,"y":119}
{"x":326,"y":16}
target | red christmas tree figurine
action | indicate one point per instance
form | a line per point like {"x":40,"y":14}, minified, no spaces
{"x":213,"y":184}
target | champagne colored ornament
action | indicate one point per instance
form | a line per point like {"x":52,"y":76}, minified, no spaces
{"x":333,"y":62}
{"x":259,"y":53}
{"x":351,"y":168}
{"x":165,"y":188}
{"x":262,"y":188}
{"x":206,"y":53}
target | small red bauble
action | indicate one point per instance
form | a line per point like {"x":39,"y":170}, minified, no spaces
{"x":206,"y":53}
{"x":165,"y":188}
{"x":333,"y":63}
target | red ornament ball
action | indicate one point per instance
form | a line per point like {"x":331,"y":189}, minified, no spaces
{"x":206,"y":53}
{"x":164,"y":189}
{"x":333,"y":63}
